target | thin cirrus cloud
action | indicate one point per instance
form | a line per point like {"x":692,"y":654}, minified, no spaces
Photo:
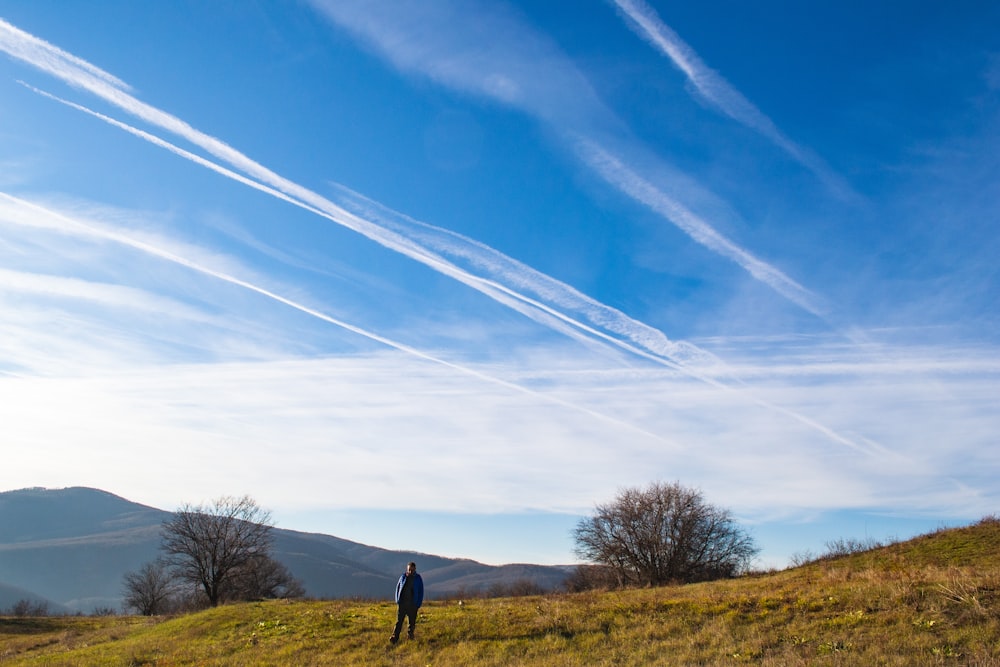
{"x":595,"y":318}
{"x":553,"y":303}
{"x":521,"y":69}
{"x":640,"y":189}
{"x":516,"y":65}
{"x":709,"y":86}
{"x":511,"y":283}
{"x":40,"y":215}
{"x":422,"y":242}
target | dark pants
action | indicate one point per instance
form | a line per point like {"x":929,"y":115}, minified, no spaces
{"x":407,"y":612}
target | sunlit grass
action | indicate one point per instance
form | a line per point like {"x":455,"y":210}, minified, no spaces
{"x":930,"y":601}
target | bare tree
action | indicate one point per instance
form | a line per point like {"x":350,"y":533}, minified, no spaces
{"x":664,"y":533}
{"x":588,"y":577}
{"x":210,"y":546}
{"x":262,"y":578}
{"x":25,"y":607}
{"x":149,"y":590}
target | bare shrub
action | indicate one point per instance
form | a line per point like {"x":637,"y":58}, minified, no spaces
{"x":662,"y":534}
{"x":800,"y":558}
{"x":849,"y":546}
{"x":262,"y":578}
{"x":25,"y":607}
{"x":592,"y":577}
{"x":150,"y":590}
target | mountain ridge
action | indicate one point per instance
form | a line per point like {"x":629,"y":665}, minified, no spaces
{"x":72,"y":547}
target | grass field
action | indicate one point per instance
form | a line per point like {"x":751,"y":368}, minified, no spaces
{"x":934,"y":600}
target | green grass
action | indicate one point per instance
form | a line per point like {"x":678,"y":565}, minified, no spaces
{"x":934,"y":600}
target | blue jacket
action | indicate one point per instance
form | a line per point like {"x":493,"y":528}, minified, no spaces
{"x":418,"y":589}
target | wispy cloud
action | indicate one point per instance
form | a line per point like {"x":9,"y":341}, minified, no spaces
{"x":75,"y":289}
{"x":636,"y":336}
{"x":617,"y":172}
{"x":640,"y":340}
{"x":240,"y":415}
{"x":543,"y":299}
{"x":54,"y":219}
{"x":549,"y":301}
{"x":711,"y":87}
{"x":517,"y":67}
{"x":27,"y":47}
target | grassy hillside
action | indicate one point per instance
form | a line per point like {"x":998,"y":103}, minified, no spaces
{"x":934,"y":600}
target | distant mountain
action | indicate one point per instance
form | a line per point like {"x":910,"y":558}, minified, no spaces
{"x":11,"y":596}
{"x":72,"y":546}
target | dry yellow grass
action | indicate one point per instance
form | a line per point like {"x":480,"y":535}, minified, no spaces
{"x":929,"y":601}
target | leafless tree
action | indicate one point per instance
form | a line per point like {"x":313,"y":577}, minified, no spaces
{"x":149,"y":590}
{"x":662,"y":534}
{"x":589,"y":577}
{"x":262,"y":578}
{"x":212,"y":546}
{"x":25,"y":607}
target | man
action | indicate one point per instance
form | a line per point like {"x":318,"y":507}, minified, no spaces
{"x":409,"y":597}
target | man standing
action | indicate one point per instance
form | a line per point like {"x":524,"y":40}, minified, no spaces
{"x":409,"y":597}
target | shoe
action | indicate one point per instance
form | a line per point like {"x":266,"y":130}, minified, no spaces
{"x":393,"y":639}
{"x":409,"y":635}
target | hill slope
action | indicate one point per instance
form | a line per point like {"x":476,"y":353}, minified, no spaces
{"x":12,"y":596}
{"x":934,"y":600}
{"x":73,"y":546}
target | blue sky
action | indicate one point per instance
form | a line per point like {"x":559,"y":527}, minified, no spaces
{"x":443,"y":275}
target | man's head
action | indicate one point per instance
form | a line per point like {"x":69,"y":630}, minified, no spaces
{"x":411,"y":568}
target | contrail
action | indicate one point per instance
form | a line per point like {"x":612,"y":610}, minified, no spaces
{"x":623,"y":177}
{"x":644,"y":341}
{"x":174,"y":258}
{"x":50,"y":59}
{"x":43,"y":55}
{"x":436,"y":44}
{"x":718,"y":92}
{"x":524,"y":280}
{"x":651,"y":343}
{"x":707,"y":83}
{"x":499,"y":292}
